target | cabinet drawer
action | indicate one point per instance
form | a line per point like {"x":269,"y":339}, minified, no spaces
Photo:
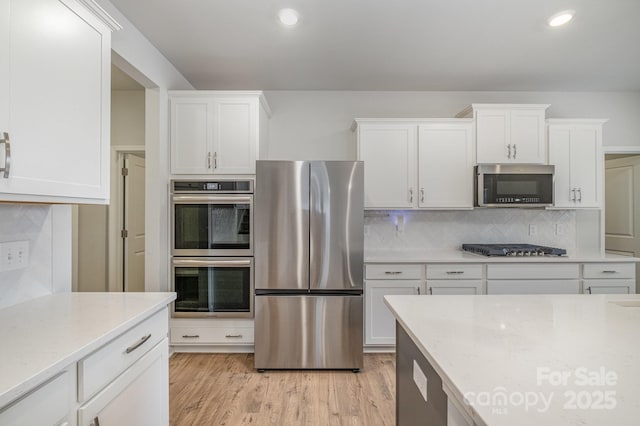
{"x":609,"y":270}
{"x":102,"y":366}
{"x":394,"y":272}
{"x":526,"y":271}
{"x":49,"y":404}
{"x":211,"y":335}
{"x":454,"y":272}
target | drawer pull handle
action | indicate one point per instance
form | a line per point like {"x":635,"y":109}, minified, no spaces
{"x":7,"y":155}
{"x":138,"y":344}
{"x":609,"y":272}
{"x":233,"y":335}
{"x":190,"y":336}
{"x":589,"y":290}
{"x":455,"y":272}
{"x":392,"y":272}
{"x":431,"y":290}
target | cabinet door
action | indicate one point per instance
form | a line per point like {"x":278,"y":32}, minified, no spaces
{"x":445,"y":165}
{"x":527,"y":137}
{"x":389,"y":155}
{"x":609,"y":286}
{"x":59,"y":77}
{"x":139,"y":396}
{"x":5,"y":72}
{"x":560,"y":157}
{"x":440,"y":287}
{"x":576,"y":151}
{"x":191,"y":135}
{"x":380,"y":324}
{"x":492,"y":136}
{"x":586,"y":165}
{"x":235,"y":137}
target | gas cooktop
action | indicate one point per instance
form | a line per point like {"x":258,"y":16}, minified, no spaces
{"x":513,"y":250}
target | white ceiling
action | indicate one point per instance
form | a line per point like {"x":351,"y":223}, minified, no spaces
{"x":396,"y":44}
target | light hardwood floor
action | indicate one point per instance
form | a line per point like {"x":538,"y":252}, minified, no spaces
{"x":224,"y":389}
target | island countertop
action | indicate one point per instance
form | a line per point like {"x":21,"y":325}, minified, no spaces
{"x":45,"y":335}
{"x":534,"y":359}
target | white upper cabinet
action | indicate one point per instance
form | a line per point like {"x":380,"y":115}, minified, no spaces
{"x":509,"y":133}
{"x":216,"y":132}
{"x":389,"y":154}
{"x":575,"y":148}
{"x":416,"y":163}
{"x":54,"y":101}
{"x":445,"y":165}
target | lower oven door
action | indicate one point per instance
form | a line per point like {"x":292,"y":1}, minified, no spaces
{"x":213,"y":287}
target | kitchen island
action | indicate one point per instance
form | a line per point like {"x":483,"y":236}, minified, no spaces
{"x":517,"y":360}
{"x":85,"y":356}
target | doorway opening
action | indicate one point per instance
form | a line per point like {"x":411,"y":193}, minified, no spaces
{"x":622,"y":203}
{"x":109,"y":241}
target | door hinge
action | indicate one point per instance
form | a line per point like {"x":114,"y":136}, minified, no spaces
{"x":125,"y":171}
{"x":124,"y":233}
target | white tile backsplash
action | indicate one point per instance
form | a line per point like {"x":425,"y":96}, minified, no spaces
{"x":20,"y":222}
{"x":448,"y":230}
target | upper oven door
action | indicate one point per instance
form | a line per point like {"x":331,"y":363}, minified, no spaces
{"x":212,"y":225}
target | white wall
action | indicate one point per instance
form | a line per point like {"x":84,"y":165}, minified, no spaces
{"x":127,"y":117}
{"x":316,"y":124}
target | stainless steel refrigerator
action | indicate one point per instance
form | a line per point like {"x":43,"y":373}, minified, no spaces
{"x":309,"y":240}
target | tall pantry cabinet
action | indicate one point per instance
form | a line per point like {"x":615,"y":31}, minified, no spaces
{"x":55,"y":63}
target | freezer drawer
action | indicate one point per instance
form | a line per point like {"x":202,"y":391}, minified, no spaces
{"x":308,"y":332}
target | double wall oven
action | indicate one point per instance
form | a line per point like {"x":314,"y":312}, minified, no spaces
{"x":212,"y":248}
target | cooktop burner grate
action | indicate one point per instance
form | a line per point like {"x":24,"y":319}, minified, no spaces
{"x":513,"y":250}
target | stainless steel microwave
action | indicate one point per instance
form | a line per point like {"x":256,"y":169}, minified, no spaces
{"x":514,"y":185}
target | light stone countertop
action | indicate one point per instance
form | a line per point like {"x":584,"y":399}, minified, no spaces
{"x":460,"y":256}
{"x":43,"y":336}
{"x":575,"y":358}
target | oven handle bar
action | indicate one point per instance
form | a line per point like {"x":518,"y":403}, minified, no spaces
{"x":210,"y":262}
{"x":182,"y":199}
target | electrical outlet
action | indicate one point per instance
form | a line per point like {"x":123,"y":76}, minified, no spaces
{"x":420,"y":380}
{"x":14,"y":255}
{"x":533,"y":229}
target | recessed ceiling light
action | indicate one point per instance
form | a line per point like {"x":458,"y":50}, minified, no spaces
{"x":288,"y":17}
{"x":561,"y":18}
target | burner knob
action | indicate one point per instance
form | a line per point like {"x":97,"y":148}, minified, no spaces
{"x":519,"y":253}
{"x":527,"y":253}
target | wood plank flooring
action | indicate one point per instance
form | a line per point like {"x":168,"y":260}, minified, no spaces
{"x":224,"y":389}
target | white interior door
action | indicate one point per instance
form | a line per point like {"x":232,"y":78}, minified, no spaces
{"x":133,"y":253}
{"x":622,"y":207}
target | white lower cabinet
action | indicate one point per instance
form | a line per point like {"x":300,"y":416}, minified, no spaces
{"x":123,"y":382}
{"x":609,"y":278}
{"x":453,"y":287}
{"x":382,"y":280}
{"x":380,"y":324}
{"x":48,"y":405}
{"x":138,"y":397}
